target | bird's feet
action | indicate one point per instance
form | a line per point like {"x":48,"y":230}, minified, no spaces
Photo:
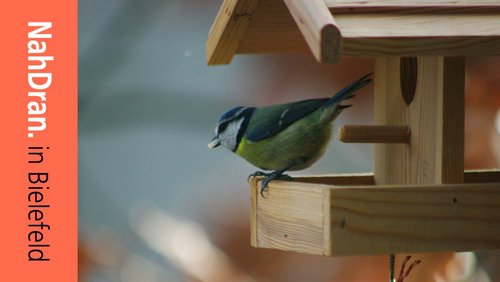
{"x":268,"y":177}
{"x":257,"y":173}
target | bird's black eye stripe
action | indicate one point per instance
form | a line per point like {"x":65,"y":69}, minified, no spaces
{"x":222,"y":126}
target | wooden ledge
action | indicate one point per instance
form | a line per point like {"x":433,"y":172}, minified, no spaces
{"x":364,"y":219}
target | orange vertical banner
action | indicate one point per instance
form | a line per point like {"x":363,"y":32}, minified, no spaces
{"x":39,"y":141}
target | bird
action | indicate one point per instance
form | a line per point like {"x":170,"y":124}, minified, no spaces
{"x":282,"y":137}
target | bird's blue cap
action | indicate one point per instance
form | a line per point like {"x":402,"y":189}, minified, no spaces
{"x":230,"y":114}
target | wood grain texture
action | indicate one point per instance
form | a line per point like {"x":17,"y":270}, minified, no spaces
{"x":374,"y":134}
{"x":417,"y":25}
{"x":254,"y":216}
{"x":388,"y":219}
{"x":228,"y":29}
{"x":424,"y":46}
{"x":290,"y":219}
{"x":415,"y":219}
{"x":435,"y":117}
{"x":390,"y":163}
{"x":273,"y":30}
{"x":318,"y":27}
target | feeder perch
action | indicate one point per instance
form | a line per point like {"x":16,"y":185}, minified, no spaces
{"x":418,"y":198}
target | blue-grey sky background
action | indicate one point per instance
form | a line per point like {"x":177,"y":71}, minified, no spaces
{"x":148,"y":104}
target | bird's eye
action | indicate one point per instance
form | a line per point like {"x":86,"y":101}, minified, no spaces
{"x":222,"y":127}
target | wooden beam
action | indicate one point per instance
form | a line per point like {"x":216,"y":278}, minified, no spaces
{"x":228,"y":29}
{"x":318,"y":28}
{"x":363,"y":220}
{"x":482,"y":176}
{"x":418,"y":25}
{"x":427,"y":46}
{"x":374,"y":134}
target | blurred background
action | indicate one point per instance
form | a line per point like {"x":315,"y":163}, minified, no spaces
{"x":155,"y":204}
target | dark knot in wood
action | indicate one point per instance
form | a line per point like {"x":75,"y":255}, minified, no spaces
{"x":408,"y":70}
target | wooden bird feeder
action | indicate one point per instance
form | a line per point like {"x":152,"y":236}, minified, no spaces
{"x":418,"y":198}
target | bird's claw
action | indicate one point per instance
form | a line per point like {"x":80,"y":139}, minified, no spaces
{"x":263,"y":187}
{"x":272,"y":176}
{"x":257,"y":173}
{"x":268,"y":177}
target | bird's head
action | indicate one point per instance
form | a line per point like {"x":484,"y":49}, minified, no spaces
{"x":231,"y":127}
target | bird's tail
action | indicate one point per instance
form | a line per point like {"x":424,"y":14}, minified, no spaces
{"x":330,"y":112}
{"x":348,"y":91}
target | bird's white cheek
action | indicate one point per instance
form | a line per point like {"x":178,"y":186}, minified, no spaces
{"x":229,"y":137}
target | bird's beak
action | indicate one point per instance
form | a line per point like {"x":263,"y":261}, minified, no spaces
{"x":214,"y":143}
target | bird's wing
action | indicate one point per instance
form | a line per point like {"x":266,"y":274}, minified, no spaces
{"x":269,"y":121}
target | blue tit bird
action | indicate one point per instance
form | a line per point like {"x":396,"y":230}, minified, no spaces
{"x":284,"y":137}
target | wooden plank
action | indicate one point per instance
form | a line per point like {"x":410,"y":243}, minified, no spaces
{"x":273,"y":30}
{"x":228,"y":29}
{"x":418,"y":24}
{"x":365,"y":179}
{"x":254,"y":196}
{"x":426,"y":46}
{"x":374,"y":134}
{"x":410,"y":3}
{"x":318,"y":27}
{"x":361,"y":220}
{"x":415,"y":219}
{"x":351,"y":179}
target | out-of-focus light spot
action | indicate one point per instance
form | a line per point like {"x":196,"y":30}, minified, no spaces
{"x":461,"y":267}
{"x":184,"y":243}
{"x":189,"y":243}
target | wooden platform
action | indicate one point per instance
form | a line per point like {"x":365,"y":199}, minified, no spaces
{"x":349,"y":217}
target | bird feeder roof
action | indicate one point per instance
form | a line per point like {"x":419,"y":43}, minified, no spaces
{"x":370,"y":28}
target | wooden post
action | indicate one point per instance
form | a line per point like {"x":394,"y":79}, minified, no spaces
{"x":435,"y":118}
